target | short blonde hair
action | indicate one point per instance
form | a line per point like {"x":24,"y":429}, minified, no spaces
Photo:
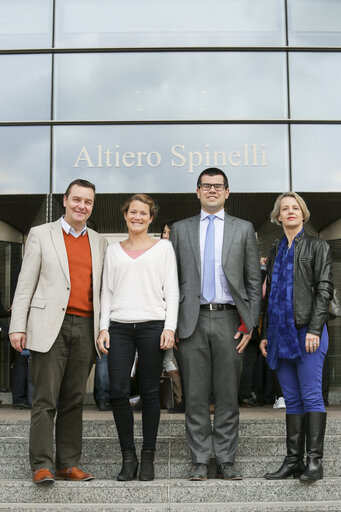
{"x":277,"y":207}
{"x":143,"y":198}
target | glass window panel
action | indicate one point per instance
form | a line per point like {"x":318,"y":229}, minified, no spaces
{"x":130,"y":23}
{"x":24,"y":160}
{"x":316,"y":158}
{"x":314,"y":22}
{"x":25,"y":87}
{"x":190,"y":85}
{"x":315,"y":85}
{"x":25,"y":24}
{"x":122,"y":159}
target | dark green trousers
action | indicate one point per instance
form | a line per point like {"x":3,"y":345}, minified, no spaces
{"x":59,"y":379}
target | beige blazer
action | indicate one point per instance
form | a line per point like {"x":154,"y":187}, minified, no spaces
{"x":43,"y":288}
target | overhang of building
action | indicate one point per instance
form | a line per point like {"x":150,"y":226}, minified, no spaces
{"x":25,"y":211}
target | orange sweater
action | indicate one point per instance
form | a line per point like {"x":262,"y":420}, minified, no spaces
{"x":80,"y":267}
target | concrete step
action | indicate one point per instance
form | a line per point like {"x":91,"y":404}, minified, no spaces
{"x":108,"y":469}
{"x":308,"y":506}
{"x":182,"y":492}
{"x":177,"y":448}
{"x":169,"y":426}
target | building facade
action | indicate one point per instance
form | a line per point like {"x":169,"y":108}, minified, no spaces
{"x":141,"y":95}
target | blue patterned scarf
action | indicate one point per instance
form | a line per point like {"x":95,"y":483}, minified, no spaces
{"x":283,"y":340}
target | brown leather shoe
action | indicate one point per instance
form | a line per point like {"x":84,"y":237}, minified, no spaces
{"x":74,"y":474}
{"x":42,"y":475}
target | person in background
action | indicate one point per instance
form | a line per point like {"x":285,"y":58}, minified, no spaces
{"x":171,"y":362}
{"x":299,"y":288}
{"x":22,"y":387}
{"x":139,"y":308}
{"x":102,"y":384}
{"x":55,"y":314}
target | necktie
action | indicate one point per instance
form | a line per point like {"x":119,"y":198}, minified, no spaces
{"x":208,"y":286}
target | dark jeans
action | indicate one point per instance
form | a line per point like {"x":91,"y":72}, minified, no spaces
{"x":102,"y":384}
{"x":22,"y":387}
{"x":247,"y":377}
{"x":124,"y":340}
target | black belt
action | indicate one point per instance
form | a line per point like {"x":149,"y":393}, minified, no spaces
{"x":217,"y":307}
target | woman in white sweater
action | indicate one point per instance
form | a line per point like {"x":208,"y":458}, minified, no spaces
{"x":139,"y":308}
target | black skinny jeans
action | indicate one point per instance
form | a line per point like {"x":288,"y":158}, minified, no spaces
{"x":124,"y":340}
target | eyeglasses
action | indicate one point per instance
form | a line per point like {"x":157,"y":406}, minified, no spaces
{"x":219,"y":187}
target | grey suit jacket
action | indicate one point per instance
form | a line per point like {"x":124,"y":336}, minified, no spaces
{"x":43,"y":288}
{"x":241,"y":266}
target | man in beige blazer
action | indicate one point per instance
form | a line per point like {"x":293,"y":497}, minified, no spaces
{"x":55,"y":314}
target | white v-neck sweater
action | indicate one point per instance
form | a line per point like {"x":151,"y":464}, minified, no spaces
{"x":141,"y":289}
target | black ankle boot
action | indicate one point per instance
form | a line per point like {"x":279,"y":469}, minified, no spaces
{"x":147,"y":465}
{"x":315,"y":428}
{"x":129,"y":466}
{"x":293,"y":464}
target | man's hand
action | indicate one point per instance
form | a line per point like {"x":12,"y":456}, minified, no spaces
{"x":243,"y":342}
{"x":167,"y":339}
{"x":103,"y":341}
{"x":18,"y":340}
{"x":262,"y":347}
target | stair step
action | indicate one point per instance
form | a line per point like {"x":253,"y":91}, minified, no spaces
{"x":169,"y":426}
{"x":107,"y":469}
{"x":302,"y":506}
{"x":96,"y":448}
{"x":171,"y":491}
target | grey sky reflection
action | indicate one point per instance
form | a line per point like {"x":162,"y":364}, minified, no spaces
{"x":316,"y":158}
{"x":177,"y":23}
{"x":315,"y":88}
{"x":170,"y":86}
{"x":25,"y":87}
{"x":314,"y":22}
{"x":24,"y":160}
{"x":25,"y":24}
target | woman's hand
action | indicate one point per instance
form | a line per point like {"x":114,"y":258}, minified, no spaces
{"x":312,"y":342}
{"x":103,"y":341}
{"x":167,"y":339}
{"x":262,"y":347}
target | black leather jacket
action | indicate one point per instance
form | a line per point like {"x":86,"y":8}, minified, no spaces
{"x":313,"y":286}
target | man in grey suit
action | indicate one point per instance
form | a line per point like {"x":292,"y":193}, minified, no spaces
{"x":220,"y":301}
{"x":55,"y":314}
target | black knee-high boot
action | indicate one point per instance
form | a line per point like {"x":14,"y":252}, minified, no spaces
{"x":293,"y":464}
{"x":315,"y":429}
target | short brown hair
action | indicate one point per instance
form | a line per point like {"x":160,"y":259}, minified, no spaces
{"x":277,"y":207}
{"x":80,"y":183}
{"x":143,"y":198}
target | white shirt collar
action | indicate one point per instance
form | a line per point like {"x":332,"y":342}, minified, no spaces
{"x":220,"y":214}
{"x":69,"y":229}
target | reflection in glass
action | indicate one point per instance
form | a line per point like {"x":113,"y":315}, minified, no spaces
{"x":25,"y":87}
{"x":25,"y":24}
{"x":133,"y":86}
{"x":133,"y":23}
{"x":315,"y":85}
{"x":316,"y":158}
{"x":165,"y":158}
{"x":24,"y":160}
{"x":314,"y":22}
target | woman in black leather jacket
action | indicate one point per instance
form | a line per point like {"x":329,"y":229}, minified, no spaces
{"x":294,"y":333}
